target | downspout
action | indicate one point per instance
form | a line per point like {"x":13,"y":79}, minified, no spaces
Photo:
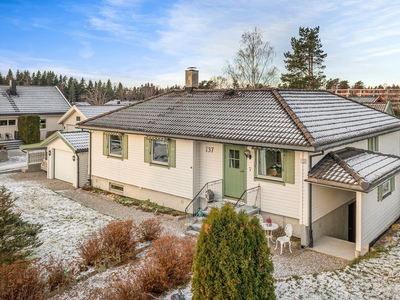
{"x":90,"y":158}
{"x":311,"y":244}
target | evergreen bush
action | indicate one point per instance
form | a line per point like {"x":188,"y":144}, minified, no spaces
{"x":29,"y":128}
{"x":17,"y":237}
{"x":232,"y":259}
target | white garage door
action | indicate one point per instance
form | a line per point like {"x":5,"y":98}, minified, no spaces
{"x":63,"y":166}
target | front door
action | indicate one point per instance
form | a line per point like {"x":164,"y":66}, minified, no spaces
{"x":234,"y":171}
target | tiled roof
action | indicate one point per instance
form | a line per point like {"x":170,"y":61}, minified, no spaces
{"x":120,"y":102}
{"x":32,"y":100}
{"x":363,"y":99}
{"x":355,"y":169}
{"x":379,"y":105}
{"x":330,"y":118}
{"x":249,"y":115}
{"x":93,"y":111}
{"x":79,"y":140}
{"x":304,"y":118}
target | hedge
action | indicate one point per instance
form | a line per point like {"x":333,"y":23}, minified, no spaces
{"x":29,"y":128}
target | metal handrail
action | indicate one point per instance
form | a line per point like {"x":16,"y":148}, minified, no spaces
{"x":195,"y":207}
{"x":242,"y":198}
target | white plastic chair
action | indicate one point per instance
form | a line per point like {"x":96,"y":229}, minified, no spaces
{"x":286,"y":238}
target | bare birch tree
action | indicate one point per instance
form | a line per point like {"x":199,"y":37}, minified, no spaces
{"x":95,"y":96}
{"x":252,"y":66}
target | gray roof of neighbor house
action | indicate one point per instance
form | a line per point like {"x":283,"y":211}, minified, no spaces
{"x":79,"y":140}
{"x":41,"y":100}
{"x":93,"y":111}
{"x":120,"y":102}
{"x":363,"y":99}
{"x":312,"y":119}
{"x":379,"y":106}
{"x":355,"y":169}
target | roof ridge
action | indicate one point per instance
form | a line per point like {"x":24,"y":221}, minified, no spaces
{"x":361,"y":181}
{"x":124,"y":107}
{"x":295,"y":119}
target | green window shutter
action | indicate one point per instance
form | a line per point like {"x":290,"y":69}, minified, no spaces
{"x":125,"y":146}
{"x":371,"y":144}
{"x":392,"y":184}
{"x":172,"y":153}
{"x":288,"y":166}
{"x":376,"y":143}
{"x":380,"y":197}
{"x":106,"y":137}
{"x":147,"y":151}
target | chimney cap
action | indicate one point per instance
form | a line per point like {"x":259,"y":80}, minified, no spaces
{"x":192,"y":68}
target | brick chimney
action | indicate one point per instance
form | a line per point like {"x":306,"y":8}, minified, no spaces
{"x":13,"y":87}
{"x":191,"y":79}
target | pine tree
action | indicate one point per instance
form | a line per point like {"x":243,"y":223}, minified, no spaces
{"x":305,"y":63}
{"x":232,"y":259}
{"x":9,"y":76}
{"x":17,"y":237}
{"x":110,"y":90}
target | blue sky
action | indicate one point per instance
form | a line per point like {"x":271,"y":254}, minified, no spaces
{"x":155,"y":41}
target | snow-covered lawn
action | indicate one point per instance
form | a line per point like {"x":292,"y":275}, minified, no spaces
{"x":65,"y":222}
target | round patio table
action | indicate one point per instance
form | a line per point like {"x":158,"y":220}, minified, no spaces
{"x":268,"y":231}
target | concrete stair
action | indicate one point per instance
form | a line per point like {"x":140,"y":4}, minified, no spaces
{"x":12,"y":144}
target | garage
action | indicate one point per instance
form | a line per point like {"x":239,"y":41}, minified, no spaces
{"x":63,"y":165}
{"x":67,"y":156}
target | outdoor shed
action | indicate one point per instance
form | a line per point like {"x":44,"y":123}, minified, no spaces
{"x":67,"y":156}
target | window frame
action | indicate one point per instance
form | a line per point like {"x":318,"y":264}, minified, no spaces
{"x":15,"y":122}
{"x":109,"y":145}
{"x":77,"y":118}
{"x":6,"y":124}
{"x":119,"y":187}
{"x":269,"y":177}
{"x":155,"y":162}
{"x":43,"y":123}
{"x":390,"y":188}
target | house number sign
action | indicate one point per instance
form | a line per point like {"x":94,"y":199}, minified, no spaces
{"x":209,"y":149}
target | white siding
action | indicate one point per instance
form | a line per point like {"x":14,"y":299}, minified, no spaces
{"x":279,"y":199}
{"x":209,"y":166}
{"x":8,"y":129}
{"x":70,"y":122}
{"x":176,"y":181}
{"x":51,"y":125}
{"x":387,"y":143}
{"x":83,"y":168}
{"x":377,"y":216}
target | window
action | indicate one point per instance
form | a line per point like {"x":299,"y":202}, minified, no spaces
{"x":42,"y":123}
{"x":78,"y":119}
{"x":373,"y":144}
{"x":3,"y":122}
{"x":386,"y":189}
{"x":269,"y":163}
{"x":116,"y":187}
{"x":234,"y":159}
{"x":12,"y":122}
{"x":159,"y":152}
{"x":115,"y":146}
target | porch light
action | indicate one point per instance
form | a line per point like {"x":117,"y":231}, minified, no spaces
{"x":247,"y":153}
{"x":49,"y":152}
{"x":73,"y":157}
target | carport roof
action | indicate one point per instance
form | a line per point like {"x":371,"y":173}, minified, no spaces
{"x":355,"y":169}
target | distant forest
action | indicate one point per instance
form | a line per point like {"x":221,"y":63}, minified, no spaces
{"x":96,"y":93}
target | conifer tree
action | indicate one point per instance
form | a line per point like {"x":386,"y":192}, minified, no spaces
{"x":17,"y":237}
{"x":9,"y":76}
{"x":232,"y":259}
{"x":305,"y":64}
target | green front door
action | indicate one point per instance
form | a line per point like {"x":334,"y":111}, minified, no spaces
{"x":234,"y":171}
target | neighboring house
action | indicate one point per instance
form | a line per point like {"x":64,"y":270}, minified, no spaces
{"x":375,"y":102}
{"x":168,"y":147}
{"x":78,"y":114}
{"x":46,"y":101}
{"x":120,"y":102}
{"x":66,"y":156}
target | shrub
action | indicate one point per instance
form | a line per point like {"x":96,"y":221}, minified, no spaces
{"x":87,"y":188}
{"x":17,"y":237}
{"x":232,"y":258}
{"x":29,"y":128}
{"x":123,"y":290}
{"x":150,"y":230}
{"x":22,"y":280}
{"x":114,"y":243}
{"x":169,"y":263}
{"x":59,"y":275}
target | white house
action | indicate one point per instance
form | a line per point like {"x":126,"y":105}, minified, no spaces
{"x":258,"y":146}
{"x":46,"y":101}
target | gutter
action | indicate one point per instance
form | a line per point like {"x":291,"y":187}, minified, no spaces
{"x":203,"y":139}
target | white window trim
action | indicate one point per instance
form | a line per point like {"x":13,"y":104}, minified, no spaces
{"x":155,"y":162}
{"x":388,"y":190}
{"x":4,"y":125}
{"x":8,"y":122}
{"x":45,"y":124}
{"x":117,"y":185}
{"x":269,"y":177}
